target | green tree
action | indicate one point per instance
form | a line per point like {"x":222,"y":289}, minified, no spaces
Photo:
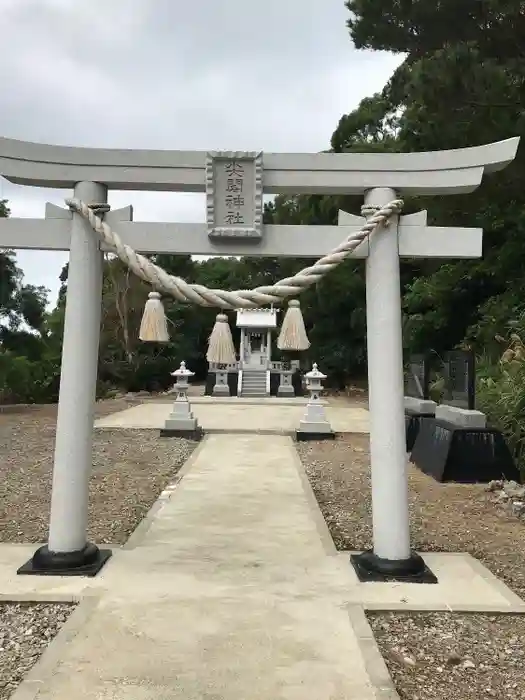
{"x":27,"y":370}
{"x":462,"y":84}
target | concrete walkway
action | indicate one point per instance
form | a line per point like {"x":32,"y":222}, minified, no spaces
{"x":222,"y":599}
{"x":232,"y":590}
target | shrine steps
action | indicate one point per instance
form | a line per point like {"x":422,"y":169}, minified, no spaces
{"x":253,"y":383}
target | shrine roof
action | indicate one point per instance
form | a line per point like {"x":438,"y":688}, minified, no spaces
{"x":257,"y":318}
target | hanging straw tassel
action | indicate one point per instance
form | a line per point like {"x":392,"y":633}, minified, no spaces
{"x":154,"y":327}
{"x":293,"y":333}
{"x":220,"y":345}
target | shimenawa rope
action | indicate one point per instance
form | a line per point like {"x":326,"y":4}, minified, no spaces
{"x":162,"y":281}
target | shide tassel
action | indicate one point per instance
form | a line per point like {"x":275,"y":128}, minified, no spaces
{"x":154,"y":327}
{"x":220,"y":344}
{"x":293,"y":333}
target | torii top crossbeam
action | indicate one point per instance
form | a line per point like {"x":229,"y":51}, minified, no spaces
{"x":440,"y":172}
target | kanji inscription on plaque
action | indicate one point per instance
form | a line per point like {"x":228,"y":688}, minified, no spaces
{"x":234,"y":194}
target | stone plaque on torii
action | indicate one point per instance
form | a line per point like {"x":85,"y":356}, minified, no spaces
{"x":234,"y":194}
{"x":232,"y":228}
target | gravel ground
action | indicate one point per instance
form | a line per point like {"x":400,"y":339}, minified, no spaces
{"x":130,"y":469}
{"x":445,"y":656}
{"x":26,"y":629}
{"x":436,"y":655}
{"x":444,"y":517}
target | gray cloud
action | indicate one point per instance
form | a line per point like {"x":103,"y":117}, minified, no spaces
{"x":274,"y":75}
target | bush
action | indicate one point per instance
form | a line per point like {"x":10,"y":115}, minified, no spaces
{"x":501,"y":396}
{"x":26,"y":381}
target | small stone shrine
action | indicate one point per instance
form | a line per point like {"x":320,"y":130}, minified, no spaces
{"x":256,"y":326}
{"x":254,"y":374}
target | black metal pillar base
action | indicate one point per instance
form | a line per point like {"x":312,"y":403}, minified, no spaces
{"x":303,"y":436}
{"x":186,"y":434}
{"x":86,"y":562}
{"x":371,"y":568}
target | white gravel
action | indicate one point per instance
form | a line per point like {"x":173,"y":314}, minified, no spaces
{"x":451,"y":656}
{"x":130,"y":468}
{"x":26,"y":629}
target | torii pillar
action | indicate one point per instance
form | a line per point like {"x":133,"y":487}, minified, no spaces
{"x":391,"y":555}
{"x":379,"y":176}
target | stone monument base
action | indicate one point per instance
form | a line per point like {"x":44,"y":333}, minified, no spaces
{"x":448,"y":452}
{"x":412,"y":426}
{"x":285,"y":390}
{"x":415,"y":410}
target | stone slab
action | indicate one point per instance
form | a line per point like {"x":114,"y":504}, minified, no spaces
{"x":263,"y":418}
{"x":419,"y":405}
{"x":461,"y":417}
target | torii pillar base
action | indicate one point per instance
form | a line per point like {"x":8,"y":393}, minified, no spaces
{"x":371,"y":568}
{"x":87,"y":562}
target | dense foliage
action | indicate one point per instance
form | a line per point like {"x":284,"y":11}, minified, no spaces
{"x":29,"y":353}
{"x":462,"y":83}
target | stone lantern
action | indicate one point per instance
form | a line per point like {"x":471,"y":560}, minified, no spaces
{"x":315,"y":425}
{"x":181,"y":421}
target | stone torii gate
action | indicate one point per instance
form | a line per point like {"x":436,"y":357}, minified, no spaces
{"x":234,"y":228}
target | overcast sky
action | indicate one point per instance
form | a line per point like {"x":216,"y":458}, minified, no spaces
{"x":270,"y":75}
